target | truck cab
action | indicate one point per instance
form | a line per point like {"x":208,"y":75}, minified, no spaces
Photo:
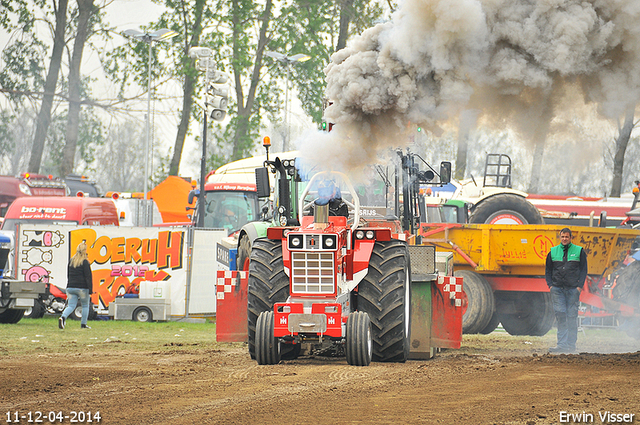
{"x":27,"y":184}
{"x":68,"y":210}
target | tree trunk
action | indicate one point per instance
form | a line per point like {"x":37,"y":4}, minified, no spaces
{"x":85,"y":10}
{"x":44,"y":116}
{"x":622,"y":141}
{"x":346,"y":13}
{"x":468,"y":121}
{"x":538,"y":153}
{"x":189,"y":87}
{"x":461,"y":155}
{"x":241,"y":141}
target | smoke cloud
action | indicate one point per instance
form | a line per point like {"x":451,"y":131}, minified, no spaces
{"x":517,"y":63}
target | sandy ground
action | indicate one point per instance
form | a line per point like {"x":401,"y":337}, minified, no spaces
{"x":487,"y":382}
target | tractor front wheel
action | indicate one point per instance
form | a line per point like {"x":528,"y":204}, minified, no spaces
{"x":359,"y":341}
{"x":267,"y":346}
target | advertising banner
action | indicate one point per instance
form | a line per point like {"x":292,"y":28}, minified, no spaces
{"x":120,"y":258}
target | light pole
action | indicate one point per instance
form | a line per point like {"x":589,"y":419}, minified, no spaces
{"x":287,"y":61}
{"x":215,"y":97}
{"x":159,"y":35}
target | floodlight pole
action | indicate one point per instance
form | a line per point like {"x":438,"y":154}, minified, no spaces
{"x":148,"y":141}
{"x":149,"y":38}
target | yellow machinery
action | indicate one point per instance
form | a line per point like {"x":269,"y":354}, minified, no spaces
{"x":503,"y":268}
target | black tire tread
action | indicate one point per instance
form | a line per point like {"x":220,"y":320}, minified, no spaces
{"x":268,"y":283}
{"x":381,"y":294}
{"x":357,"y":344}
{"x":267,"y":347}
{"x":535,"y":316}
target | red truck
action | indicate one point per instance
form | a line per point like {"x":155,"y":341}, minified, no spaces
{"x":27,"y":184}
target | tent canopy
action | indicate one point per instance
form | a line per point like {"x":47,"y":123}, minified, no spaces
{"x":171,"y":196}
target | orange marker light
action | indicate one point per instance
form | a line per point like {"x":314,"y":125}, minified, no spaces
{"x":266,"y":141}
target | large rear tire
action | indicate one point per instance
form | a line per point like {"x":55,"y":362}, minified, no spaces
{"x":268,"y":284}
{"x":359,"y":344}
{"x":506,"y":208}
{"x":481,"y":302}
{"x":527,"y":313}
{"x":385,"y":295}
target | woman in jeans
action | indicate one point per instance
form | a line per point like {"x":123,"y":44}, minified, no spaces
{"x":79,"y":286}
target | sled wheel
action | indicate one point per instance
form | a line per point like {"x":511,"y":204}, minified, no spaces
{"x":529,"y":313}
{"x":142,"y":314}
{"x":267,"y":346}
{"x":492,"y":325}
{"x":481,"y":303}
{"x":268,"y":283}
{"x":505,"y":208}
{"x":359,"y":343}
{"x":384,"y":294}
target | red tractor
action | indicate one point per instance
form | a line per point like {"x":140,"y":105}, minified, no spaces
{"x":331,"y":283}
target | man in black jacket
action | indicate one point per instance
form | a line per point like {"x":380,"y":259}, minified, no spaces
{"x":565,"y":272}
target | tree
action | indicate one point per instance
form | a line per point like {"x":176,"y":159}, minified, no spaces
{"x":621,"y":143}
{"x":85,"y":11}
{"x":44,"y":116}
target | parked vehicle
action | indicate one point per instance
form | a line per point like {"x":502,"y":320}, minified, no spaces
{"x":28,"y":184}
{"x":503,"y":269}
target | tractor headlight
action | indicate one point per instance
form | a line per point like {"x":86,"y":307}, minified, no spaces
{"x":295,"y":242}
{"x":329,"y":242}
{"x":359,"y":234}
{"x":370,"y":234}
{"x":282,"y":209}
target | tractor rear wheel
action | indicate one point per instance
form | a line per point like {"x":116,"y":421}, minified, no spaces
{"x":267,"y":346}
{"x":385,"y":295}
{"x":505,"y":208}
{"x":359,"y":342}
{"x":481,"y":302}
{"x":529,"y":313}
{"x":268,"y":284}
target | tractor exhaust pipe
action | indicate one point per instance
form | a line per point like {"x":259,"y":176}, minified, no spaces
{"x":321,"y":216}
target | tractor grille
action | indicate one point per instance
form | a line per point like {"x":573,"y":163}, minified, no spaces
{"x":312,"y":272}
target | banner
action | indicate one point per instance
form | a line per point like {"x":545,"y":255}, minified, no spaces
{"x":120,"y":258}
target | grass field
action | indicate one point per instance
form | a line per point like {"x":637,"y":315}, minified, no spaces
{"x":30,"y":336}
{"x":39,"y":336}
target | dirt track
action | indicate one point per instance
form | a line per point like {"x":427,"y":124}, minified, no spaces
{"x":488,"y":382}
